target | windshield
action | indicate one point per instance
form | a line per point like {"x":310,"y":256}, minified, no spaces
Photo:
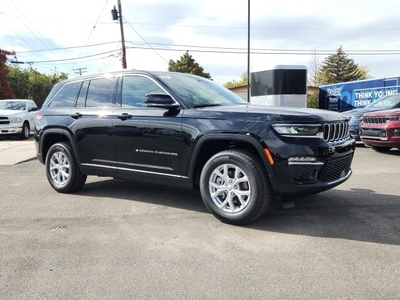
{"x":12,"y":105}
{"x":198,"y":91}
{"x":390,"y":101}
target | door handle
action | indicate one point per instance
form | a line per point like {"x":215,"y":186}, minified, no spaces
{"x":124,"y":116}
{"x":75,"y":115}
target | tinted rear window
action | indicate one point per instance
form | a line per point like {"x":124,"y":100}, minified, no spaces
{"x":67,"y":95}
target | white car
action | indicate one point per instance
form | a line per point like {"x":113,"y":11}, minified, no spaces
{"x":17,"y":117}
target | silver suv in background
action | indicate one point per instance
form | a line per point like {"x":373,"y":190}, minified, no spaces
{"x":17,"y":117}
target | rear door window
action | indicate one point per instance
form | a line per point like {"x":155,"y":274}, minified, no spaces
{"x":101,"y":92}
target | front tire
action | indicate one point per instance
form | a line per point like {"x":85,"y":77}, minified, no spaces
{"x":62,"y":169}
{"x":25,"y":131}
{"x":234,"y":187}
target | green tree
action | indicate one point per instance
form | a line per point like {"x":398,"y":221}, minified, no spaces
{"x":19,"y":81}
{"x":313,"y":100}
{"x":5,"y":87}
{"x":29,"y":83}
{"x":338,"y":68}
{"x":235,"y":83}
{"x":186,"y":64}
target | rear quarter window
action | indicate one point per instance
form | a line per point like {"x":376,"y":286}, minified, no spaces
{"x":67,"y":95}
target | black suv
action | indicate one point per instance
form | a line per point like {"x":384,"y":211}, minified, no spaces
{"x":185,"y":130}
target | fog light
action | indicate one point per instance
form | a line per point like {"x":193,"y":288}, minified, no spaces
{"x":396,"y":132}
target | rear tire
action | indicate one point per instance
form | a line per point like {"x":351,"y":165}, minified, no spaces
{"x":62,"y":169}
{"x":235,"y":187}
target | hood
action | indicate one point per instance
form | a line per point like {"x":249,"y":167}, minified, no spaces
{"x":278,"y":113}
{"x":10,"y":113}
{"x":384,"y":113}
{"x":358,"y":112}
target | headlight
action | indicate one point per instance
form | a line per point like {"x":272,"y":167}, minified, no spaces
{"x":392,"y":119}
{"x":16,"y":120}
{"x":356,"y":118}
{"x":308,"y":130}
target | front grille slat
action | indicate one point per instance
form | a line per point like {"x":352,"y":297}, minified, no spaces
{"x":4,"y":120}
{"x":335,"y":131}
{"x":374,"y":120}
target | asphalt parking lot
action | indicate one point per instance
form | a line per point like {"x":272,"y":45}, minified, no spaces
{"x":122,"y":240}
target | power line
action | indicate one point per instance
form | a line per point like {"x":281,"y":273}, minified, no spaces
{"x":230,"y":49}
{"x":30,"y":26}
{"x":92,"y":30}
{"x":115,"y":53}
{"x":274,"y":51}
{"x":268,"y":28}
{"x":217,"y":27}
{"x":71,"y":47}
{"x":155,"y":50}
{"x":322,"y":51}
{"x":65,"y":59}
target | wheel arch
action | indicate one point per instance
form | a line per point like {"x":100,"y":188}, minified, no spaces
{"x":53,"y":136}
{"x":209,"y":145}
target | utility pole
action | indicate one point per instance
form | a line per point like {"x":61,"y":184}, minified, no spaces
{"x":115,"y":16}
{"x":80,"y":70}
{"x":248,"y":51}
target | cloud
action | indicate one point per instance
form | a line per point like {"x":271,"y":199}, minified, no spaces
{"x":168,"y":28}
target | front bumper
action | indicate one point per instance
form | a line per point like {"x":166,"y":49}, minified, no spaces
{"x":330,"y":167}
{"x":381,"y":135}
{"x":10,"y":129}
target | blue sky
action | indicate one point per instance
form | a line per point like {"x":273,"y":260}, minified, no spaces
{"x":76,"y":35}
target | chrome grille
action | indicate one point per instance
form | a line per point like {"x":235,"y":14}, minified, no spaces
{"x":335,"y":131}
{"x":374,"y":120}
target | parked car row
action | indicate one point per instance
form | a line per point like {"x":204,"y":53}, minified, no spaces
{"x":378,"y":124}
{"x":17,"y":117}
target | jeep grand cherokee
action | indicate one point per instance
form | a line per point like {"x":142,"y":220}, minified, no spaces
{"x":381,"y":130}
{"x":185,"y":130}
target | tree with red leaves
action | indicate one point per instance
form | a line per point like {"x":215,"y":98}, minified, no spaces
{"x":6,"y":91}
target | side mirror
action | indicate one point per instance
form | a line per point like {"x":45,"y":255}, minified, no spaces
{"x":160,"y":101}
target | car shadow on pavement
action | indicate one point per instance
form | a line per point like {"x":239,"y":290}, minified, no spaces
{"x":145,"y":192}
{"x":356,"y":214}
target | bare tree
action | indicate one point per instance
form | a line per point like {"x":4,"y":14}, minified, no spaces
{"x":313,"y":69}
